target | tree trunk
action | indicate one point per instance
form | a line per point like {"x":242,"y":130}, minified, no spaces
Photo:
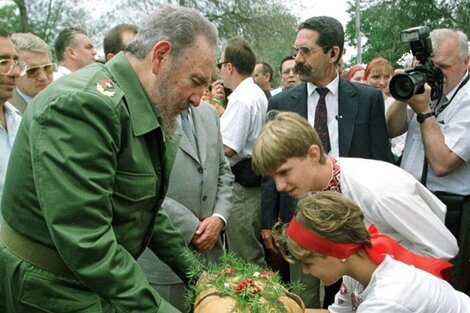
{"x":24,"y":24}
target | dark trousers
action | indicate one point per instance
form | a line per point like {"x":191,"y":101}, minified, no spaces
{"x":458,"y":222}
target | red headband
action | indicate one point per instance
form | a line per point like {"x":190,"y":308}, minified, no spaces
{"x":311,"y":241}
{"x":382,"y":245}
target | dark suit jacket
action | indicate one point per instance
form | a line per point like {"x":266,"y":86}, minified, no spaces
{"x":362,"y":133}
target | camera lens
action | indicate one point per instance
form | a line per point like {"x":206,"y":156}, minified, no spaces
{"x":404,"y":86}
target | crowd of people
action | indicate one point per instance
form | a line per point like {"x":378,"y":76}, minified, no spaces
{"x":110,"y":170}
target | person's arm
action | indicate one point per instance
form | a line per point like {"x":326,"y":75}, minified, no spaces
{"x":229,"y":152}
{"x":396,"y":117}
{"x":269,"y":211}
{"x":419,"y":219}
{"x":442,"y":160}
{"x":379,"y":142}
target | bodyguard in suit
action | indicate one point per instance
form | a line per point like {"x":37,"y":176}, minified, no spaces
{"x":350,"y":116}
{"x":199,"y":198}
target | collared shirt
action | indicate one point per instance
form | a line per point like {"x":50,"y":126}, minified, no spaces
{"x":7,"y":137}
{"x":61,"y":71}
{"x":331,"y":108}
{"x":243,"y":119}
{"x":25,"y":97}
{"x":454,"y":123}
{"x":398,"y":205}
{"x":399,"y":288}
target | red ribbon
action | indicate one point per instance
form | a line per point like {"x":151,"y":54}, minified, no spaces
{"x":382,"y":245}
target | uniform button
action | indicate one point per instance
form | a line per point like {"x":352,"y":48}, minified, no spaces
{"x":204,"y":198}
{"x":199,"y":170}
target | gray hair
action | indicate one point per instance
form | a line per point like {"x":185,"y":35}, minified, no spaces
{"x":438,"y":36}
{"x":178,"y":25}
{"x":30,"y":42}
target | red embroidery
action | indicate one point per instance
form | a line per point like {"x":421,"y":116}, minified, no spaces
{"x":343,"y":290}
{"x":354,"y":302}
{"x":106,"y":84}
{"x":334,"y":183}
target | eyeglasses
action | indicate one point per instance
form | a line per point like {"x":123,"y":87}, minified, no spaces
{"x":219,"y":65}
{"x":34,"y":71}
{"x":306,"y":51}
{"x":287,"y":71}
{"x":7,"y":66}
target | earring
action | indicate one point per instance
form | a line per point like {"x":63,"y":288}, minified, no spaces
{"x":343,"y":260}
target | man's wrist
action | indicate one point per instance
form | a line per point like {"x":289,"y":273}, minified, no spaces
{"x":421,"y":117}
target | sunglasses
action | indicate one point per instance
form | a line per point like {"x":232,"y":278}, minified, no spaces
{"x":34,"y":71}
{"x":219,"y":65}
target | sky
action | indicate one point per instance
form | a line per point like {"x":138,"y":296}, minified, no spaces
{"x":333,"y":8}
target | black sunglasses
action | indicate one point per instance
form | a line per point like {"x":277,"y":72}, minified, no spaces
{"x":219,"y":65}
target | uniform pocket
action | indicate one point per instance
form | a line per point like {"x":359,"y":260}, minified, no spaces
{"x":135,"y":186}
{"x":51,"y":294}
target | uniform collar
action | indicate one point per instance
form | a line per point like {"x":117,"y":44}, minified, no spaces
{"x":142,"y":112}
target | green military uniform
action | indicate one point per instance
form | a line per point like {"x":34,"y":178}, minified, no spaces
{"x":88,"y":173}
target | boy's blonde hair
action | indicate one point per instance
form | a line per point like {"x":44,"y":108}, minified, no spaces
{"x":285,"y":136}
{"x":328,"y":214}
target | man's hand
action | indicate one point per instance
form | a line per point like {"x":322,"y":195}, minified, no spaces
{"x":218,"y":90}
{"x":207,"y":233}
{"x":269,"y":241}
{"x":420,"y":103}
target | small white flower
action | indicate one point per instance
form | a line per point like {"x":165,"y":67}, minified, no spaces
{"x":226,"y":285}
{"x":256,"y":274}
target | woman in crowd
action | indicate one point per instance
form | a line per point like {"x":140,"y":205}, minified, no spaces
{"x":356,"y":74}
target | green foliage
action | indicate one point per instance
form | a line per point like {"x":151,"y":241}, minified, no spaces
{"x":252,"y":287}
{"x":45,"y":18}
{"x":266,"y":24}
{"x":9,"y":18}
{"x":383,"y":20}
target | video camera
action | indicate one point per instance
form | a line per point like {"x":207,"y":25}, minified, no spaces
{"x":404,"y":86}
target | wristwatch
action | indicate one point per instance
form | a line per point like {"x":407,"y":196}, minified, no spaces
{"x":422,"y":117}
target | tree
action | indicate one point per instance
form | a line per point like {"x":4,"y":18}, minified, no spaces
{"x":266,"y":24}
{"x":45,"y":18}
{"x":383,"y":20}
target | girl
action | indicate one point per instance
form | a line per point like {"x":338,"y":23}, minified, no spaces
{"x":328,"y":236}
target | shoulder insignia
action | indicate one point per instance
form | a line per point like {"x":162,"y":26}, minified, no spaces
{"x":103,"y":87}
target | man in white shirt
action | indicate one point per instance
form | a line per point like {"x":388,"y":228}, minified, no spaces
{"x":74,"y":50}
{"x":240,"y":125}
{"x":10,"y":118}
{"x":442,"y":131}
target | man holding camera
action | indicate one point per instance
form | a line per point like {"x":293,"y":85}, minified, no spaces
{"x":440,"y":130}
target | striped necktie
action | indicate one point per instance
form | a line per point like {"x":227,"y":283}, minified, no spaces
{"x":321,"y":119}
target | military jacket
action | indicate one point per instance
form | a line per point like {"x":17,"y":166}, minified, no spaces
{"x":88,"y":174}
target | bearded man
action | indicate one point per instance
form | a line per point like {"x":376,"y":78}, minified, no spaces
{"x":90,"y":170}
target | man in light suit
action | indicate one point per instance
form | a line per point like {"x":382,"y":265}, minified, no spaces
{"x":198,"y":201}
{"x":355,"y":117}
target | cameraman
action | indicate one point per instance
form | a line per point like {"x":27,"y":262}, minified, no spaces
{"x":443,"y":130}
